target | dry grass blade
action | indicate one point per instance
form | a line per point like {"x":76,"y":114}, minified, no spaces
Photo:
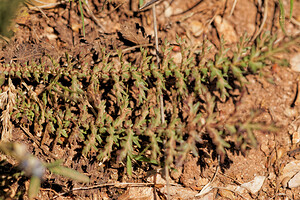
{"x":294,"y":21}
{"x":263,"y":21}
{"x":208,"y":187}
{"x":87,"y":6}
{"x":148,"y":4}
{"x":233,"y":7}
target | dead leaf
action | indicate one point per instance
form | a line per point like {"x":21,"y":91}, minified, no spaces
{"x":289,"y":171}
{"x":133,"y":34}
{"x":255,"y":185}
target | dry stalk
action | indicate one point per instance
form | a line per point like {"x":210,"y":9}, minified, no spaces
{"x":233,"y":7}
{"x":7,"y":101}
{"x":161,"y":98}
{"x":263,"y":21}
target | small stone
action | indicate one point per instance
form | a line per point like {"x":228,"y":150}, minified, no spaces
{"x":289,"y":171}
{"x":225,"y":29}
{"x":76,"y":27}
{"x":290,"y":112}
{"x":296,"y":136}
{"x":226,"y":194}
{"x":49,"y":29}
{"x":202,"y":181}
{"x":177,"y":57}
{"x":157,"y":178}
{"x":240,"y":190}
{"x":178,"y":11}
{"x":295,"y":181}
{"x":51,"y":36}
{"x":272,"y":176}
{"x":280,"y":152}
{"x":196,"y":28}
{"x":255,"y":185}
{"x":295,"y":62}
{"x":169,"y":11}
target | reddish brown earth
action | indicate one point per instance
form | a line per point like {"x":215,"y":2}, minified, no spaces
{"x":57,"y":30}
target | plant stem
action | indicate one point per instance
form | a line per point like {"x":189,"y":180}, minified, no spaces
{"x":158,"y":61}
{"x":263,"y":21}
{"x":155,"y":35}
{"x":161,"y":98}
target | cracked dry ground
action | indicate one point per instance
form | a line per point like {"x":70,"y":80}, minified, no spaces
{"x":56,"y":30}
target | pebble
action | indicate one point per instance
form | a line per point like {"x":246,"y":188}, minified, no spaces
{"x":290,"y":112}
{"x":295,"y":62}
{"x":202,"y":181}
{"x":295,"y":181}
{"x":289,"y":172}
{"x":296,"y":137}
{"x":225,"y":29}
{"x":177,"y":57}
{"x":272,"y":176}
{"x":168,"y":11}
{"x":177,"y":11}
{"x":196,"y":28}
{"x":157,"y":178}
{"x":226,"y":194}
{"x":255,"y":185}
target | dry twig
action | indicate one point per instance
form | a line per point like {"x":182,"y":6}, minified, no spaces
{"x":263,"y":21}
{"x":161,"y":98}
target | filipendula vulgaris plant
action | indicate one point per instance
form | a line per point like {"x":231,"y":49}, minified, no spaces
{"x":113,"y":112}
